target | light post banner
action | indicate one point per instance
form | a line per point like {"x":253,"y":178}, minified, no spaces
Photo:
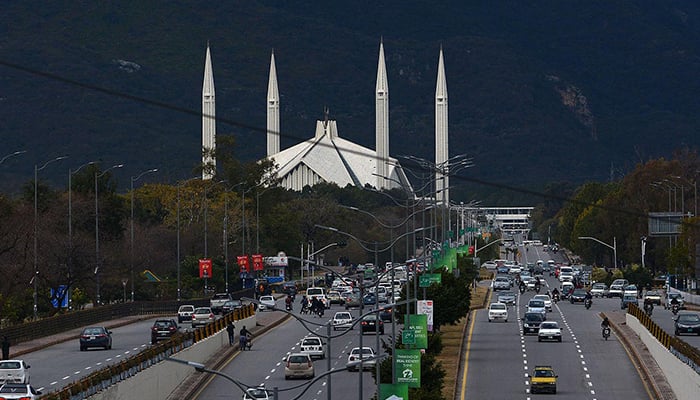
{"x":418,"y":324}
{"x":388,"y":391}
{"x":408,"y":367}
{"x":426,"y":307}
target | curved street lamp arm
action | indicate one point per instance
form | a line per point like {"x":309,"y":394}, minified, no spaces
{"x":384,"y":225}
{"x":134,"y":179}
{"x":596,"y":240}
{"x":201,"y":368}
{"x":2,"y":160}
{"x":360,"y":242}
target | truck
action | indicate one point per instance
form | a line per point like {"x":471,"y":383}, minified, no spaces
{"x":217,"y":302}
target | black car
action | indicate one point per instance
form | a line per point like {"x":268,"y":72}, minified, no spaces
{"x":531,"y":322}
{"x":163,"y":329}
{"x":577,"y":296}
{"x":369,"y":324}
{"x":387,"y":314}
{"x":687,"y":323}
{"x":95,"y":336}
{"x":230,"y":306}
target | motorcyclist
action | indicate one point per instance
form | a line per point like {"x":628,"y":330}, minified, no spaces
{"x":288,"y":301}
{"x":304,"y":304}
{"x":538,"y":285}
{"x":589,"y":296}
{"x":522,"y":287}
{"x":648,"y":306}
{"x":555,"y":294}
{"x":605,"y":325}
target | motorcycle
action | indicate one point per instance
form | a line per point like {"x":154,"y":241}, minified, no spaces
{"x":555,"y":297}
{"x":537,"y":289}
{"x":606,"y":332}
{"x":289,"y":306}
{"x":675,"y":308}
{"x":522,"y":289}
{"x":587,"y":303}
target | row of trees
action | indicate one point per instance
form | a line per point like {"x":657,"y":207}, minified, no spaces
{"x":619,"y":212}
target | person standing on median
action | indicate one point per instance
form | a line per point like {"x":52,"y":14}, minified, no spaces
{"x":230,"y":329}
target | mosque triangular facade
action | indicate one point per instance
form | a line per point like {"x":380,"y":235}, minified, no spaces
{"x":327,"y":157}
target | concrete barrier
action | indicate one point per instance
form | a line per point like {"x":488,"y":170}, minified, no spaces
{"x":682,"y":378}
{"x":158,"y":381}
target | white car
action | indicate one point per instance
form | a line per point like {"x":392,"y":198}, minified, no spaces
{"x":549,"y":330}
{"x":342,"y":320}
{"x":256,"y":393}
{"x":498,"y":311}
{"x":630,"y":290}
{"x":14,"y":371}
{"x":489,"y":265}
{"x":354,"y":356}
{"x":599,"y":289}
{"x":547,"y":300}
{"x":184,"y":313}
{"x":18,"y":391}
{"x":313,"y":346}
{"x":515,"y":269}
{"x":536,"y":305}
{"x":266,"y":303}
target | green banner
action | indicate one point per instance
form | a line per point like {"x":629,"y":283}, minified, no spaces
{"x":387,"y":391}
{"x":426,"y":280}
{"x":419,"y":324}
{"x":408,"y":367}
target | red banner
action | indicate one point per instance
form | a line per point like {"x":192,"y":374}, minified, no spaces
{"x":243,"y":263}
{"x":257,"y":262}
{"x":205,"y":268}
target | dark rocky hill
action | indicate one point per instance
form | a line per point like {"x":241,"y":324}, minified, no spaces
{"x":539,"y":91}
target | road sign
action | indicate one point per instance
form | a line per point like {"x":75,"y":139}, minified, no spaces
{"x":408,"y":367}
{"x":426,"y":280}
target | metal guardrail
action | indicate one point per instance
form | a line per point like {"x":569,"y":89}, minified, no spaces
{"x":685,"y":352}
{"x":113,"y":374}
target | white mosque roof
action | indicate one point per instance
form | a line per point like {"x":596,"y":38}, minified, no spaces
{"x":329,"y":158}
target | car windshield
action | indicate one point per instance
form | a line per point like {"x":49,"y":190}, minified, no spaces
{"x":506,"y":294}
{"x":366,"y":350}
{"x":93,"y":331}
{"x":311,"y":342}
{"x":498,"y":306}
{"x":186,"y":308}
{"x":19,"y":389}
{"x":203,"y":311}
{"x":162,"y":324}
{"x":549,"y":325}
{"x":10,"y":365}
{"x":544,"y":373}
{"x":674,"y":296}
{"x":298,"y":359}
{"x":630,"y":298}
{"x":688,"y":318}
{"x":343,"y":316}
{"x":533,"y":317}
{"x":542,"y":297}
{"x":536,"y":303}
{"x":599,"y":286}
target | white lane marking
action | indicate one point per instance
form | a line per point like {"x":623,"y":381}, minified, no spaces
{"x":87,"y":368}
{"x":65,"y":377}
{"x":76,"y":372}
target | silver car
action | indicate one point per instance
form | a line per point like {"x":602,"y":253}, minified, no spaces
{"x":202,"y":316}
{"x":354,"y":357}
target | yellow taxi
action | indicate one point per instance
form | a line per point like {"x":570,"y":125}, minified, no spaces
{"x":543,"y":380}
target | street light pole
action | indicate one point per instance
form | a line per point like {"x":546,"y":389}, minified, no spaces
{"x":16,"y":153}
{"x":70,"y":227}
{"x":35,"y":279}
{"x":97,"y":234}
{"x":131,"y":248}
{"x":613,"y":247}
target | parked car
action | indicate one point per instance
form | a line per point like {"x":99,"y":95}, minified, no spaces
{"x":184,"y":313}
{"x":299,"y":365}
{"x":14,"y":371}
{"x":498,"y":311}
{"x":95,"y":336}
{"x":18,"y":391}
{"x":369,"y":324}
{"x":313,"y":346}
{"x":202,"y":316}
{"x":686,"y":322}
{"x":342,"y":320}
{"x":163,"y":329}
{"x":549,"y":330}
{"x":230,"y":306}
{"x":355,"y":355}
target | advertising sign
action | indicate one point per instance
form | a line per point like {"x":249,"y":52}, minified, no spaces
{"x":408,"y":367}
{"x":205,"y":268}
{"x":243,"y":263}
{"x":387,"y":391}
{"x":426,"y":307}
{"x":419,"y":324}
{"x":257,"y":262}
{"x":61,"y":294}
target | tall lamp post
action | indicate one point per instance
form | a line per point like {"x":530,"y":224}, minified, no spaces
{"x":613,"y":247}
{"x":35,"y":279}
{"x":97,"y":233}
{"x":131,"y":247}
{"x":70,"y":225}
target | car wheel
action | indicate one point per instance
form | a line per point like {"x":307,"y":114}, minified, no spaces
{"x":82,"y":348}
{"x":676,"y":333}
{"x":506,"y":320}
{"x":489,"y":319}
{"x":539,"y":339}
{"x":559,"y":340}
{"x":286,"y":378}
